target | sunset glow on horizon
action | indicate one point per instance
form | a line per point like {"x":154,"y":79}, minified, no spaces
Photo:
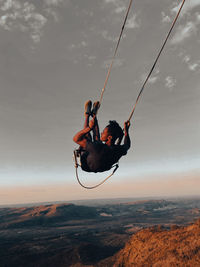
{"x":180,"y":185}
{"x":54,"y":55}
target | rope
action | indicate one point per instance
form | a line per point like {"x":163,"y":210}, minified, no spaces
{"x":113,"y":58}
{"x":139,"y":95}
{"x":148,"y":76}
{"x":95,"y":186}
{"x":100,"y":101}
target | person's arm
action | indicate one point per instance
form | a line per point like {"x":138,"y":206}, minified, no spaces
{"x":127,"y":140}
{"x":80,"y":137}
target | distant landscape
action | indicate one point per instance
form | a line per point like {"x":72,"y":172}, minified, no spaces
{"x":95,"y":232}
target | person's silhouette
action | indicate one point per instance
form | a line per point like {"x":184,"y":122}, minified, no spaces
{"x":99,"y":153}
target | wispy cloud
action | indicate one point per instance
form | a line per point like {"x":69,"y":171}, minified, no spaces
{"x":153,"y":79}
{"x":188,"y":26}
{"x":78,"y":45}
{"x":119,"y":5}
{"x":133,"y":22}
{"x":120,"y":9}
{"x":170,"y":82}
{"x":117,"y":63}
{"x":194,"y":66}
{"x":187,"y":31}
{"x":184,"y":32}
{"x":186,"y":58}
{"x":26,"y":17}
{"x":111,"y":1}
{"x":188,"y":6}
{"x":22,"y":16}
{"x":91,"y":60}
{"x":107,"y":36}
{"x":51,"y":5}
{"x":165,"y":18}
{"x":53,"y":2}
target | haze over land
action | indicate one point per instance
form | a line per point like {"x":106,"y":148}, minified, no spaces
{"x":65,"y":235}
{"x":54,"y":55}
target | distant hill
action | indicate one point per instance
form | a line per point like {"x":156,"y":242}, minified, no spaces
{"x":44,"y":215}
{"x":109,"y":235}
{"x":179,"y":246}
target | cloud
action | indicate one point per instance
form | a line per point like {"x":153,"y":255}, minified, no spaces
{"x":110,"y":1}
{"x":53,"y":2}
{"x":106,"y":36}
{"x":79,"y":45}
{"x":165,"y":18}
{"x":91,"y":60}
{"x":153,"y":79}
{"x":198,"y":17}
{"x":51,"y":5}
{"x":184,"y":32}
{"x":117,"y":63}
{"x":8,"y":4}
{"x":119,"y":5}
{"x":187,"y":27}
{"x":186,"y":58}
{"x":191,"y":29}
{"x":170,"y":82}
{"x":120,"y":9}
{"x":132,"y":23}
{"x":26,"y":17}
{"x":23,"y":17}
{"x":194,"y":66}
{"x":188,"y":6}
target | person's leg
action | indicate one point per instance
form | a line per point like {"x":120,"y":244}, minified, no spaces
{"x":87,"y":114}
{"x":96,"y":134}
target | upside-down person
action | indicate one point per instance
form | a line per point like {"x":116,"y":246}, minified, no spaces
{"x":99,"y":153}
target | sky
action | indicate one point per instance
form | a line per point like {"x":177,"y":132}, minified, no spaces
{"x":54,"y":55}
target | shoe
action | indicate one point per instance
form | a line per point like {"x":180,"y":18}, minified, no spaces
{"x":96,"y":106}
{"x":88,"y":106}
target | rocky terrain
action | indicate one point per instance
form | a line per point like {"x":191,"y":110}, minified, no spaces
{"x":179,"y":246}
{"x":134,"y":233}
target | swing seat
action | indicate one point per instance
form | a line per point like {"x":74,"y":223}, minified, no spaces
{"x":80,"y":157}
{"x":77,"y":154}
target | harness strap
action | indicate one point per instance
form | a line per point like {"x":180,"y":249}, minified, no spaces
{"x":97,"y":185}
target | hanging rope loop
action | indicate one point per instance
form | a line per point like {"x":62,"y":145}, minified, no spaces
{"x":116,"y":166}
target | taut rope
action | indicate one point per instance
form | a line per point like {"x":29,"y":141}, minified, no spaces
{"x":113,"y":58}
{"x":100,"y":101}
{"x":155,"y":62}
{"x":139,"y":95}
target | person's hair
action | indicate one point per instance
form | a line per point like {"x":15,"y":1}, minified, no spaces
{"x":115,"y":130}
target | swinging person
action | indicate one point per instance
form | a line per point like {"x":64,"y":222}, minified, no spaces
{"x":99,"y":153}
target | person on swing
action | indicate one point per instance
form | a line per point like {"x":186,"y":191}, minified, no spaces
{"x":99,"y":153}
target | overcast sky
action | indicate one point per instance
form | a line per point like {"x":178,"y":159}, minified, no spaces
{"x":54,"y":56}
